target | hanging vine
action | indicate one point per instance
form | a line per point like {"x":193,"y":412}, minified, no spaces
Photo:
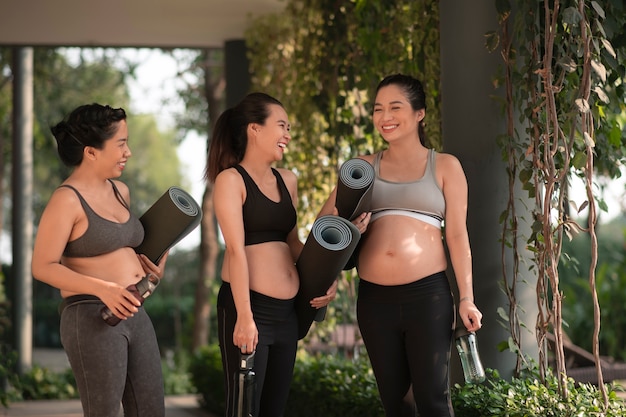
{"x":555,"y":57}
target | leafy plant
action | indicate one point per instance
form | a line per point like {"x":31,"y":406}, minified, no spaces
{"x":208,"y":378}
{"x":335,"y":386}
{"x":8,"y":378}
{"x":527,"y":395}
{"x":41,"y":383}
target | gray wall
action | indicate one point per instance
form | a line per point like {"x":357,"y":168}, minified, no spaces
{"x":471,"y":121}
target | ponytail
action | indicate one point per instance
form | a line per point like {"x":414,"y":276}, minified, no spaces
{"x":229,"y":139}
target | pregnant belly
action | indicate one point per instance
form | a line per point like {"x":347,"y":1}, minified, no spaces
{"x":400,"y":255}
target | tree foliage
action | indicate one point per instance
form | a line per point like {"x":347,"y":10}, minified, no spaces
{"x":60,"y":85}
{"x":323,"y":59}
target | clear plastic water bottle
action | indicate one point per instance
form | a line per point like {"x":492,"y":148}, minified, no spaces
{"x":245,"y":386}
{"x":470,"y":359}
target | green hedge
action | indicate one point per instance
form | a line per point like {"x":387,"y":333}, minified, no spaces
{"x":526,"y":396}
{"x":330,"y":386}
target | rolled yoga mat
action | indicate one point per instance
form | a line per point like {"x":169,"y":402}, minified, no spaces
{"x":354,"y":193}
{"x":167,"y":222}
{"x":354,"y":188}
{"x":326,"y":251}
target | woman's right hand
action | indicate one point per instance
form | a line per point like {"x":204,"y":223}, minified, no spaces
{"x":119,"y":300}
{"x":362,"y":221}
{"x":246,"y":334}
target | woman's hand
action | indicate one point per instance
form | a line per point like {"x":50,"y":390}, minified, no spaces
{"x":122,"y":303}
{"x":150,"y":267}
{"x":324,"y":300}
{"x":362,"y":221}
{"x":470,"y":315}
{"x":246,"y":334}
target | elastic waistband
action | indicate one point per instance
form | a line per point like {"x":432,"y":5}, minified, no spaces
{"x":424,"y":287}
{"x":263,"y":306}
{"x":78,"y":299}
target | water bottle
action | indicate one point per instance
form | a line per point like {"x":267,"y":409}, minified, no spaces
{"x":141,"y":290}
{"x":245,"y":386}
{"x":470,"y":359}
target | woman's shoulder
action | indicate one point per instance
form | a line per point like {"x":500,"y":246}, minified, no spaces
{"x":227,"y":175}
{"x":288,"y":177}
{"x":369,"y":157}
{"x":446,"y":158}
{"x":64,"y":200}
{"x":229,"y":179}
{"x":448,"y":165}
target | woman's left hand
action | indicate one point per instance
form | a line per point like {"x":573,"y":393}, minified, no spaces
{"x":324,"y":300}
{"x":150,"y":267}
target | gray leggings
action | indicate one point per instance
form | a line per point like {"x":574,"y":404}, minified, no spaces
{"x":113,"y":366}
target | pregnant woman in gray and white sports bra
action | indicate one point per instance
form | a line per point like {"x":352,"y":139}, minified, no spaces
{"x":405,"y":307}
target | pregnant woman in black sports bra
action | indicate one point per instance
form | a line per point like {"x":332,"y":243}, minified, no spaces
{"x":255,"y":208}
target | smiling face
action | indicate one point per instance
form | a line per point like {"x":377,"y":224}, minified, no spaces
{"x":115,"y":152}
{"x":393,"y":115}
{"x":274,"y":135}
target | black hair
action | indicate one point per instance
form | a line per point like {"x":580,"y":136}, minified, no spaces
{"x":230,"y":138}
{"x":87,"y":125}
{"x":414,"y":93}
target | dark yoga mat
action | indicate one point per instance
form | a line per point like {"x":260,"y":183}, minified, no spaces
{"x":354,"y":188}
{"x":354,"y":193}
{"x":326,"y":251}
{"x":167,"y":222}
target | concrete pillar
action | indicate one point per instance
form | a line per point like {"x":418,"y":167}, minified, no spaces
{"x":237,"y":72}
{"x":472,"y":120}
{"x":22,"y":189}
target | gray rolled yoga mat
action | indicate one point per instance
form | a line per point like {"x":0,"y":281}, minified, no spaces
{"x":172,"y":217}
{"x":354,"y":188}
{"x":326,"y":250}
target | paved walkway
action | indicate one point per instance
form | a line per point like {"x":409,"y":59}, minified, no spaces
{"x":175,"y":406}
{"x":56,"y":360}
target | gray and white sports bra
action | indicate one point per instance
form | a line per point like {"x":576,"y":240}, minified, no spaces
{"x":421,"y":199}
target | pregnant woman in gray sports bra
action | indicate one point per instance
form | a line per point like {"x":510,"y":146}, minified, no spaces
{"x":84,"y":247}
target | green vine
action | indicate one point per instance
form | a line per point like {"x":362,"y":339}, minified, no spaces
{"x":563,"y":85}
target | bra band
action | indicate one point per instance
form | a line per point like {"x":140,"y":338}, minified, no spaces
{"x":431,"y":219}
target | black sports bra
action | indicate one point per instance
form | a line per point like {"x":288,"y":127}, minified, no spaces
{"x":265,"y":220}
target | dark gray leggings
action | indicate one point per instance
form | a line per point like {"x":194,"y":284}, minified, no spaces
{"x":114,"y":366}
{"x":407,"y":331}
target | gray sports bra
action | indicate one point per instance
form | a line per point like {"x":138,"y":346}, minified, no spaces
{"x":102,"y":235}
{"x":421,"y":199}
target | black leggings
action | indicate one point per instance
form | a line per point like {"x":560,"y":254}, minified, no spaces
{"x":407,"y":330}
{"x":275,"y":353}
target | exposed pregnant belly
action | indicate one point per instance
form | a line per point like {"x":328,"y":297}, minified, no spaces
{"x":120,"y":266}
{"x":271,"y":270}
{"x":397,"y":250}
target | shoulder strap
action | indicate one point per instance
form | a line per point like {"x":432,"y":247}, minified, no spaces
{"x":281,"y":183}
{"x":377,"y":159}
{"x":118,"y":195}
{"x":83,"y":202}
{"x":432,"y":158}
